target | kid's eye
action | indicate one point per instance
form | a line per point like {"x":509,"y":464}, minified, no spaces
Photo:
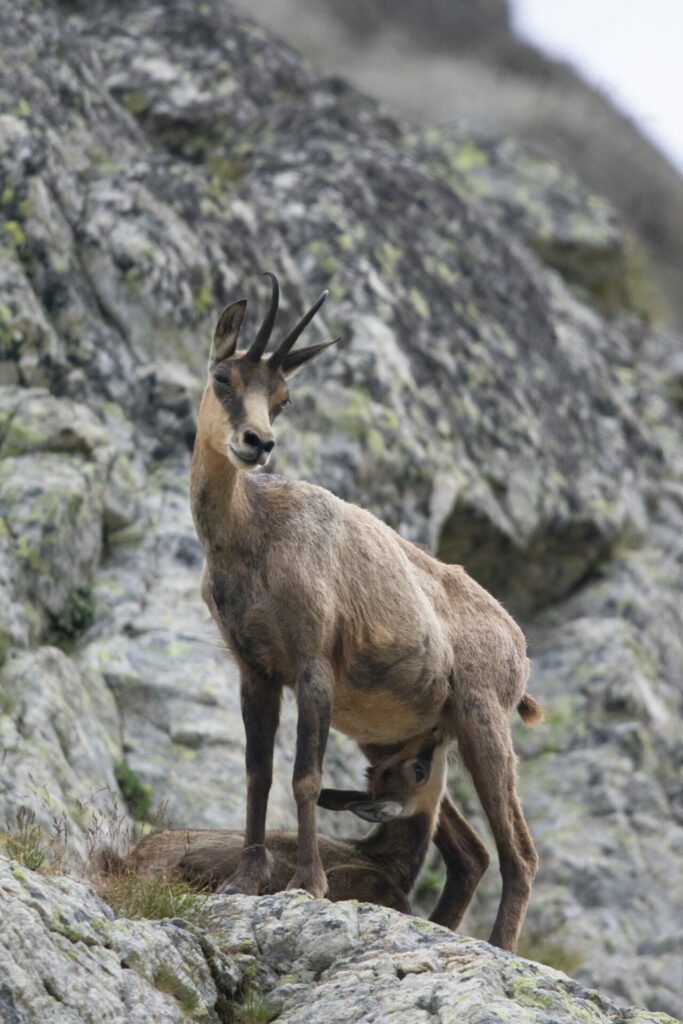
{"x":420,"y":771}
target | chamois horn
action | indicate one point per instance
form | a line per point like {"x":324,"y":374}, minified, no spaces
{"x":287,"y":343}
{"x":258,"y":345}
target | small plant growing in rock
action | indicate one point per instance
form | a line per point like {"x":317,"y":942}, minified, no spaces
{"x":137,"y":795}
{"x":74,"y":618}
{"x":166,"y":980}
{"x":252,"y":1006}
{"x":33,"y":846}
{"x":109,"y":838}
{"x":133,"y":897}
{"x":108,"y":834}
{"x":25,"y":841}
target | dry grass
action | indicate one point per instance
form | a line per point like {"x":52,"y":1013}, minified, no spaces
{"x":52,"y":846}
{"x":25,"y":841}
{"x":134,"y":897}
{"x":109,"y":836}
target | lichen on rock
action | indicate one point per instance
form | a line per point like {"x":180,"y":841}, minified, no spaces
{"x":153,"y":162}
{"x":294,"y":958}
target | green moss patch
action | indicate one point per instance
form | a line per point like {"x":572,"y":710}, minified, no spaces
{"x":137,"y":794}
{"x":75,"y":617}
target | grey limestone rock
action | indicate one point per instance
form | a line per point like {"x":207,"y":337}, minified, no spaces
{"x":154,"y":159}
{"x":287,"y":957}
{"x":59,"y":730}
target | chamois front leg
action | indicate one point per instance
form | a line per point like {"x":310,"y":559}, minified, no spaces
{"x":314,"y":698}
{"x":261,"y":714}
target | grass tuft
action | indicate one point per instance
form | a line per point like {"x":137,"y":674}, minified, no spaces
{"x":251,"y":1007}
{"x":25,"y":841}
{"x":166,"y":980}
{"x":134,"y":897}
{"x":108,"y":834}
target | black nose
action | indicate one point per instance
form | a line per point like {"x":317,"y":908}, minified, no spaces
{"x":254,"y":441}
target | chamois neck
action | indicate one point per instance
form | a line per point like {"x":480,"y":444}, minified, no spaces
{"x":217,"y":495}
{"x":400,"y":846}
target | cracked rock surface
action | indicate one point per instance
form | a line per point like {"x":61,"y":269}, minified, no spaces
{"x":293,"y":958}
{"x":154,"y":159}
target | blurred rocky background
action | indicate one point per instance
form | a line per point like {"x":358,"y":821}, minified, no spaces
{"x":459,"y":61}
{"x":508,"y":389}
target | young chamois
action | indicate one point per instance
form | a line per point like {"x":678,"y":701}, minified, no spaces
{"x":403,"y":796}
{"x":373,"y":635}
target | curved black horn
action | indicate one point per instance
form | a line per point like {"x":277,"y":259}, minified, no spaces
{"x":258,"y":345}
{"x":287,"y":343}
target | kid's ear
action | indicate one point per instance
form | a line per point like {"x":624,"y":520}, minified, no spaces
{"x":228,"y":327}
{"x":297,"y":359}
{"x":339,"y":799}
{"x":376,"y":810}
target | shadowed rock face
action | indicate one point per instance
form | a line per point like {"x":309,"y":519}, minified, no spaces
{"x":153,"y":161}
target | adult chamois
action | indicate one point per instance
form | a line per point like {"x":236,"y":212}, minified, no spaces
{"x":373,"y":635}
{"x":403,"y":796}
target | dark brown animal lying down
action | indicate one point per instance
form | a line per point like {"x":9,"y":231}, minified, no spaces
{"x":404,"y":792}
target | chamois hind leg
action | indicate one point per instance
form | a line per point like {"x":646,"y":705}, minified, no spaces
{"x":314,"y":701}
{"x":261,"y":714}
{"x":486,"y":749}
{"x":466,"y":860}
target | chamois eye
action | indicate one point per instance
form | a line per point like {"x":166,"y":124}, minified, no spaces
{"x":278,"y":409}
{"x":420,"y":771}
{"x":220,"y":378}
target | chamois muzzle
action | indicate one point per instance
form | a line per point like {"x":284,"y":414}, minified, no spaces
{"x":260,"y":448}
{"x":250,"y":449}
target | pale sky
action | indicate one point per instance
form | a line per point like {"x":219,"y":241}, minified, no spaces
{"x":632,"y":50}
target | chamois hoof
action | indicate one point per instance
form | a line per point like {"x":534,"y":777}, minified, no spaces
{"x":315,"y":884}
{"x":229,"y":890}
{"x":249,"y":886}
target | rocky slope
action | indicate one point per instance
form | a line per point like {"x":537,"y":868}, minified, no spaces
{"x":446,"y":61}
{"x":153,"y":160}
{"x":285,"y":958}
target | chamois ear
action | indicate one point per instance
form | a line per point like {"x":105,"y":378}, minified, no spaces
{"x":228,"y":327}
{"x":296,"y":360}
{"x":376,"y":810}
{"x":339,"y":799}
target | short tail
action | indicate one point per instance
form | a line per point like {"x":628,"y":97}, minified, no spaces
{"x":530,"y":710}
